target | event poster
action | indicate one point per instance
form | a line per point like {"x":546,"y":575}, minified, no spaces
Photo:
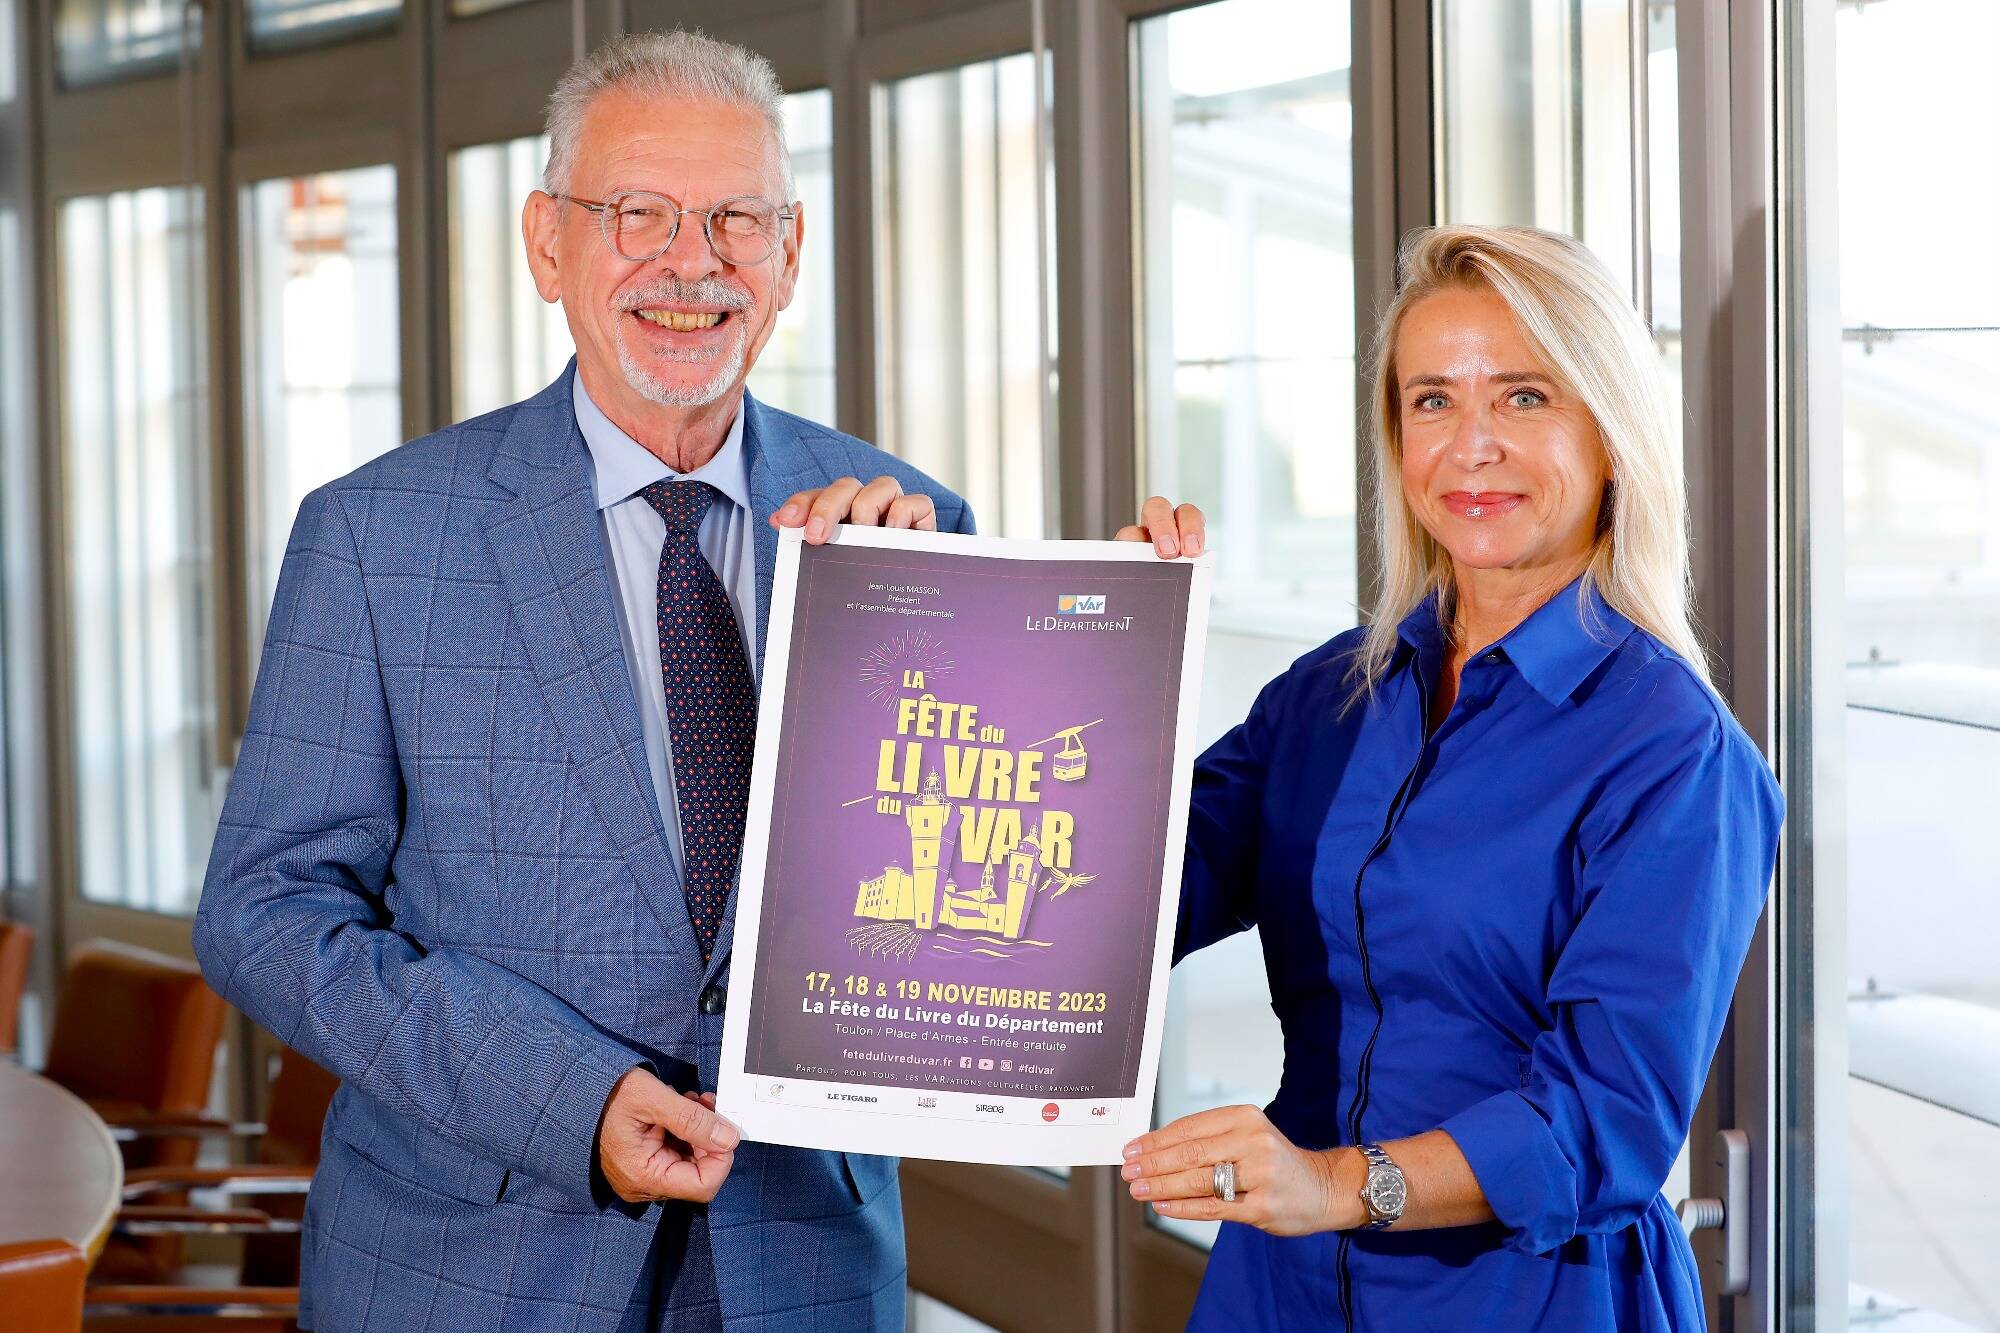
{"x":963,"y":859}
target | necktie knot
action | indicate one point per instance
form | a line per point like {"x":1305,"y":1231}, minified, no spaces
{"x":680,"y":503}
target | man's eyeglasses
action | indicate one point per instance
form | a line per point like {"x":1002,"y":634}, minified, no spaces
{"x":639,"y":225}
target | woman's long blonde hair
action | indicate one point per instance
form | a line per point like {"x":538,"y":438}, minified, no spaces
{"x":1594,"y":342}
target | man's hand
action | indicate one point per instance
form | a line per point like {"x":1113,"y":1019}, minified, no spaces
{"x":656,"y":1143}
{"x":881,"y":503}
{"x":1173,"y":531}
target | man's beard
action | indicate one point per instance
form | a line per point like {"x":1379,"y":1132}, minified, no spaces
{"x":639,"y":370}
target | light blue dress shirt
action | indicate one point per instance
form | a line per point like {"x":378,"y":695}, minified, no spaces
{"x":633,"y":535}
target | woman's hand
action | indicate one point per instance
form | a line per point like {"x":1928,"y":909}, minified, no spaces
{"x":1173,"y":531}
{"x":1283,"y":1189}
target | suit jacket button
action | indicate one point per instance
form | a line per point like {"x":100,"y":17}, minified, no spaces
{"x":712,"y":999}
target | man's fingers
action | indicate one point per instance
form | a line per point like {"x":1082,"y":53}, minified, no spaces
{"x":831,"y":506}
{"x":872,"y":501}
{"x":694,"y":1124}
{"x":912,"y":511}
{"x":793,"y":512}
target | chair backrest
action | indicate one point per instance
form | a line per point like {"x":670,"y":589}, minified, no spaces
{"x":41,"y":1285}
{"x":16,"y":943}
{"x":134,"y":1028}
{"x":300,"y":1093}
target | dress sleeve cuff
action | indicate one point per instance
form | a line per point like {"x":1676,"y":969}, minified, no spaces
{"x":1528,"y":1182}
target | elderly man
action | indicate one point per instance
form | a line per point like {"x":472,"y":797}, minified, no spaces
{"x":479,"y":852}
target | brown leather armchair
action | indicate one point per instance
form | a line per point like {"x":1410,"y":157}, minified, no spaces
{"x":16,"y":944}
{"x":135,"y":1036}
{"x":265,"y":1296}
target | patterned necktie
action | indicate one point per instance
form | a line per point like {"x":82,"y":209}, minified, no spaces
{"x":711,"y":705}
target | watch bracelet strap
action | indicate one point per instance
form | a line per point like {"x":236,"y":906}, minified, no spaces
{"x":1376,"y":1157}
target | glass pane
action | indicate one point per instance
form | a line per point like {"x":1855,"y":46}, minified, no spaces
{"x":97,"y":40}
{"x":795,"y":371}
{"x":506,"y":342}
{"x":1246,"y":221}
{"x":134,"y":416}
{"x":282,"y":23}
{"x":1919,"y":447}
{"x":463,"y":8}
{"x":323,"y":380}
{"x":9,"y":54}
{"x":1534,"y":108}
{"x":967,"y":387}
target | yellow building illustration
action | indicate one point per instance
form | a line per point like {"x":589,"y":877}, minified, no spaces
{"x":913,"y":895}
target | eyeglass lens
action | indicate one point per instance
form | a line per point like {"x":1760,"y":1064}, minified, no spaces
{"x":743,"y":231}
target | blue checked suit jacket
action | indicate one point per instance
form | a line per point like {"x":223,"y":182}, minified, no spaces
{"x":440,"y":873}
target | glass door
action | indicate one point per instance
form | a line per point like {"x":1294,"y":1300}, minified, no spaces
{"x":1891,"y":1216}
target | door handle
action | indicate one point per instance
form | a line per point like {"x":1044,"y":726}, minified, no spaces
{"x":1729,"y":1214}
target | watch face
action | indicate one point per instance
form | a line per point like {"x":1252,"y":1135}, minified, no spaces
{"x":1386,"y":1191}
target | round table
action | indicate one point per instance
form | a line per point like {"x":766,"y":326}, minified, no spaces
{"x":60,"y":1172}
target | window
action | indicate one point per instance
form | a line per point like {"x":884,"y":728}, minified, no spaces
{"x":1534,"y":111}
{"x":100,"y":40}
{"x":1246,"y":219}
{"x":137,"y":555}
{"x":1918,"y":451}
{"x":275,"y":24}
{"x":506,"y":341}
{"x":323,"y":384}
{"x":466,"y":8}
{"x":795,"y":371}
{"x":967,"y":384}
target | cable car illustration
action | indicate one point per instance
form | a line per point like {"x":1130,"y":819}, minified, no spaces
{"x":1072,"y":761}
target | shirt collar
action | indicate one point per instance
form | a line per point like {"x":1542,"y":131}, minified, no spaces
{"x":1555,"y":649}
{"x":621,"y":467}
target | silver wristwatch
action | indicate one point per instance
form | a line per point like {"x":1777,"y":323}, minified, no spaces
{"x":1385,"y":1191}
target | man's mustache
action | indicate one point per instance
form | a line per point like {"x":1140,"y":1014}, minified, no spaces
{"x":672,"y":291}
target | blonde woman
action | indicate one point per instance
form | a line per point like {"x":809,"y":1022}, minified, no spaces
{"x":1505,"y":847}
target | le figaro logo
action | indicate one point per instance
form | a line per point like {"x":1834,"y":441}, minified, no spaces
{"x":1079,"y":611}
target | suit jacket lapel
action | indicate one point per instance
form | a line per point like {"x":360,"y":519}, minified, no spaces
{"x":552,"y":564}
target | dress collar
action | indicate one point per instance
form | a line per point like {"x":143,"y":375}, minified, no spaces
{"x":1555,"y":649}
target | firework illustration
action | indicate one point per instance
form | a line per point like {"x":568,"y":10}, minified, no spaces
{"x":912,"y":650}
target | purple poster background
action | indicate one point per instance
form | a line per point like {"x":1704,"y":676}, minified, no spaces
{"x":998,"y":635}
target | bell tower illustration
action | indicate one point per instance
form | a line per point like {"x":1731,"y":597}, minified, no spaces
{"x":1022,"y":862}
{"x":926,"y":817}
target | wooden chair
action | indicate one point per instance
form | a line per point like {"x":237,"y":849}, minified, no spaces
{"x":135,"y":1037}
{"x":265,"y":1297}
{"x":16,"y":944}
{"x":41,"y":1285}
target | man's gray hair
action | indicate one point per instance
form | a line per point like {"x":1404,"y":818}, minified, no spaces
{"x":683,"y":65}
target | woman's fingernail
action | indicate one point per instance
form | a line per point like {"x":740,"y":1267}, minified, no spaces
{"x":1141,"y":1188}
{"x":1193,"y":544}
{"x":1129,"y":1170}
{"x":1166,"y":545}
{"x":815,"y":528}
{"x":1132,"y":1149}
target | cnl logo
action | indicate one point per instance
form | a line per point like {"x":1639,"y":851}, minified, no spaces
{"x":1081,"y":603}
